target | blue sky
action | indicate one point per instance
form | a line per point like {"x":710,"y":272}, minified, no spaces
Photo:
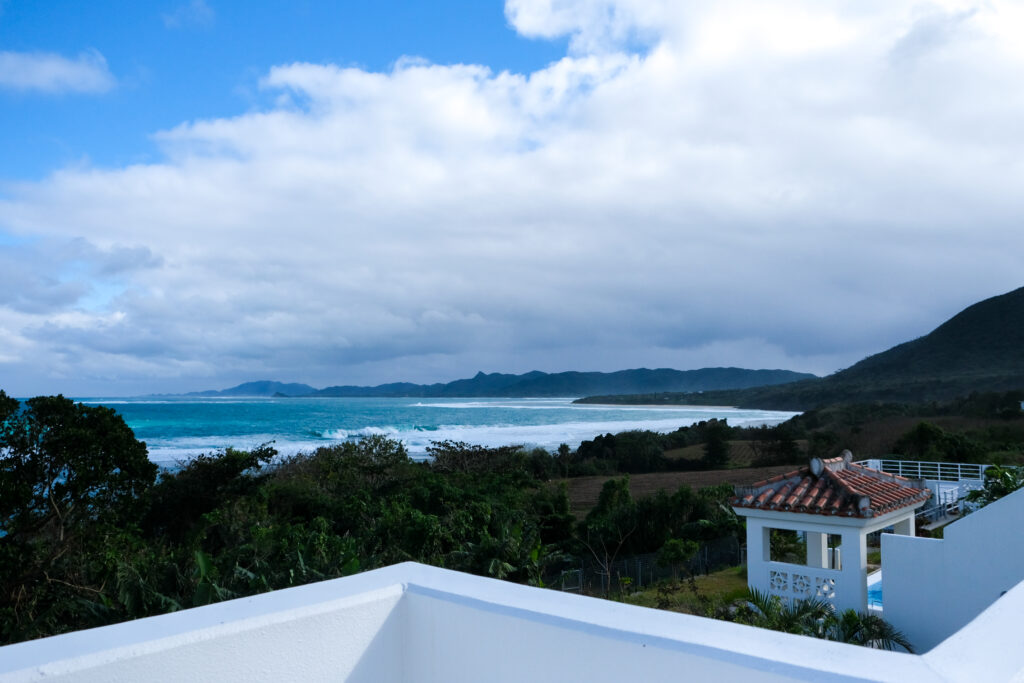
{"x":195,"y":194}
{"x":175,"y":62}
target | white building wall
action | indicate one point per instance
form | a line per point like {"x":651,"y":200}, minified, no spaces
{"x":933,"y":587}
{"x":309,"y":633}
{"x":416,"y":623}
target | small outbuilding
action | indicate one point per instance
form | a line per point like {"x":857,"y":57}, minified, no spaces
{"x":834,"y":504}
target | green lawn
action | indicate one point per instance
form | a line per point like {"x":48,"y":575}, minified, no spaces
{"x":703,"y":596}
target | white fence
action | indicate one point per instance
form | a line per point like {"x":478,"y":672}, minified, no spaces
{"x":949,"y":481}
{"x":936,"y":471}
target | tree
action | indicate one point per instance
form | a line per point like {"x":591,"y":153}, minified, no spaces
{"x":999,"y":482}
{"x":639,"y":451}
{"x":460,"y":457}
{"x":609,"y":525}
{"x":65,"y":464}
{"x":564,"y":458}
{"x":676,"y":553}
{"x":202,"y":484}
{"x":716,"y":446}
{"x":72,"y":482}
{"x":774,"y":446}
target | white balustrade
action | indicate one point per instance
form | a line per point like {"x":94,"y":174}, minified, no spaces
{"x":937,"y":471}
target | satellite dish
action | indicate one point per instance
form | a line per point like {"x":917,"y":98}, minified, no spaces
{"x":817,"y":467}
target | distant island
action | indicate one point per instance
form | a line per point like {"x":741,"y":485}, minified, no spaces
{"x":534,"y":384}
{"x":980,"y":349}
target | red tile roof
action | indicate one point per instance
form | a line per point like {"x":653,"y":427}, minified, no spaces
{"x":834,"y":486}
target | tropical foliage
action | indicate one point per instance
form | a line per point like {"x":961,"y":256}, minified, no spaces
{"x":91,"y":535}
{"x":999,"y":482}
{"x":819,"y":618}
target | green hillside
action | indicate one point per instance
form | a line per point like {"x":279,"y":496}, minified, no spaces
{"x":981,"y":349}
{"x":984,"y":341}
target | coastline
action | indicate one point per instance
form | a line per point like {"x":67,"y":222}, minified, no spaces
{"x":179,"y":429}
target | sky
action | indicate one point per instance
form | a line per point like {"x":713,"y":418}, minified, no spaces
{"x":199,"y":193}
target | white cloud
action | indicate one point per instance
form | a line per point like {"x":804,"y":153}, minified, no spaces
{"x":52,"y":73}
{"x":194,"y":14}
{"x":801,"y":186}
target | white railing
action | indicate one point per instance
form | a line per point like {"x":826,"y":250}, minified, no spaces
{"x":796,"y":582}
{"x":937,"y":471}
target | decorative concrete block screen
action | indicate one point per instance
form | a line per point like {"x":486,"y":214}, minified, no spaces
{"x":415,"y":623}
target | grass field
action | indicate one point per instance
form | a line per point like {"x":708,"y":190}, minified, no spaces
{"x":713,"y":590}
{"x":740,"y":453}
{"x":584,"y":491}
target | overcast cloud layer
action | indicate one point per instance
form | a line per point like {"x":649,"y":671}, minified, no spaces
{"x":791,"y":184}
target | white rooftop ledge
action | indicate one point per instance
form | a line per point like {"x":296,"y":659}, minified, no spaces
{"x":411,"y":622}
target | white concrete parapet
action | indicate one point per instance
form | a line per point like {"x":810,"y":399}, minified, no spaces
{"x":410,"y":622}
{"x":934,"y":587}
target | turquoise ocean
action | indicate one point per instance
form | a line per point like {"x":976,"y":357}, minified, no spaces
{"x":176,"y":429}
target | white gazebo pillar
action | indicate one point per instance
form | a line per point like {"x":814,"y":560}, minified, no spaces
{"x":853,"y":593}
{"x":817,"y":549}
{"x":904,"y":527}
{"x":758,"y":553}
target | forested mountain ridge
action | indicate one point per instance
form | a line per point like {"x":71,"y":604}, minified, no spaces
{"x":259,"y":388}
{"x":981,"y":349}
{"x":984,"y":340}
{"x":541,"y":384}
{"x":537,"y":384}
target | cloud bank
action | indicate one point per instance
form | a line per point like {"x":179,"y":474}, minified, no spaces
{"x":792,"y":184}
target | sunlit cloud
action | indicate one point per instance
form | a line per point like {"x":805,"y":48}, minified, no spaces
{"x":795,"y":186}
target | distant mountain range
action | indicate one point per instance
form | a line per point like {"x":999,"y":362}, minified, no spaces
{"x":981,"y":349}
{"x":259,"y":389}
{"x":536,"y":384}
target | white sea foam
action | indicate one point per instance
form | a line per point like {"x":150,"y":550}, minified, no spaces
{"x":417,"y":440}
{"x":550,"y":436}
{"x":417,"y":428}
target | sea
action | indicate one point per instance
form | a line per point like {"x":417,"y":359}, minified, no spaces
{"x":176,"y":429}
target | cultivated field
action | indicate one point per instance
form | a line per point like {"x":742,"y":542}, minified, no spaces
{"x":583,"y":491}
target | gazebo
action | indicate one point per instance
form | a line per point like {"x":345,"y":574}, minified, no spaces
{"x":835,"y":504}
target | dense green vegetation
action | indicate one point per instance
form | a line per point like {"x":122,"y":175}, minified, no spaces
{"x":980,"y":428}
{"x":981,"y":349}
{"x":90,"y":534}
